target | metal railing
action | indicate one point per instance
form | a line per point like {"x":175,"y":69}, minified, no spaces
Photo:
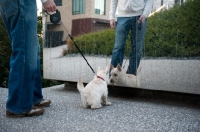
{"x":166,"y":5}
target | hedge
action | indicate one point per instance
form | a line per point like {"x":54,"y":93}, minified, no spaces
{"x":172,"y":33}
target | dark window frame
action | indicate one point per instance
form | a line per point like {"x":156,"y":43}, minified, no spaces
{"x":58,"y":2}
{"x":78,"y":7}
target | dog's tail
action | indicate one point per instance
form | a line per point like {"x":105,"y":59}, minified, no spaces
{"x":80,"y":85}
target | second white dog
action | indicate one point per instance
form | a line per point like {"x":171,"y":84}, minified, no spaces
{"x":119,"y":77}
{"x":95,"y":93}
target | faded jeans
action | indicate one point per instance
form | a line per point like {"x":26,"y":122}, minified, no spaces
{"x":24,"y":84}
{"x":123,"y":27}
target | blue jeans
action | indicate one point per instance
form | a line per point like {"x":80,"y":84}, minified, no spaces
{"x":24,"y":85}
{"x":123,"y":27}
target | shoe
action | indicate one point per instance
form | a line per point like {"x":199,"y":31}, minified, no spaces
{"x":33,"y":112}
{"x":43,"y":103}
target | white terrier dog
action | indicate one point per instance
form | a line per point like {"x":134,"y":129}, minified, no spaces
{"x":96,"y":92}
{"x":119,"y":77}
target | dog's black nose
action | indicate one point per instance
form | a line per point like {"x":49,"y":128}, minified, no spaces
{"x":111,"y":80}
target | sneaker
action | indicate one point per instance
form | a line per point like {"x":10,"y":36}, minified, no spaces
{"x":33,"y":112}
{"x":43,"y":103}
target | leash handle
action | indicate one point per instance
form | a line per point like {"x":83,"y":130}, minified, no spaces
{"x":49,"y":13}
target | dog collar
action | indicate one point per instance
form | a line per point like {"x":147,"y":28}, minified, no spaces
{"x":100,"y":78}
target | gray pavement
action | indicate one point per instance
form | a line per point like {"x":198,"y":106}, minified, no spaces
{"x":126,"y":114}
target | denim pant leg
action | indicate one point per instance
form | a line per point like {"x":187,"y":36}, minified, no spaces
{"x":122,"y":29}
{"x":20,"y":19}
{"x":38,"y":82}
{"x":137,"y":43}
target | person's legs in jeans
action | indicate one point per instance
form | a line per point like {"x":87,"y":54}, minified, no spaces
{"x":21,"y":23}
{"x":137,"y":43}
{"x":122,"y":30}
{"x":38,"y":97}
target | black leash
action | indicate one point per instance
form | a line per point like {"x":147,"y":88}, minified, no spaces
{"x":80,"y":51}
{"x":55,"y":18}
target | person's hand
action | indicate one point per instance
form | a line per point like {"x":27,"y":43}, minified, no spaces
{"x":142,"y":19}
{"x":112,"y":23}
{"x":50,"y":6}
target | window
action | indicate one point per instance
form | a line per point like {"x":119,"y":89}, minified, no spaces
{"x":53,"y":38}
{"x":58,"y":2}
{"x":100,"y":7}
{"x":78,"y":7}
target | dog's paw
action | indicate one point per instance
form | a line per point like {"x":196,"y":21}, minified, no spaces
{"x":108,"y":103}
{"x":96,"y":106}
{"x":86,"y":106}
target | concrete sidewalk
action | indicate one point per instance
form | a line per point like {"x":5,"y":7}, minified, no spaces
{"x":126,"y":114}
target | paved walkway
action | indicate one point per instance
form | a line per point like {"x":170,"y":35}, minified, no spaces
{"x":126,"y":114}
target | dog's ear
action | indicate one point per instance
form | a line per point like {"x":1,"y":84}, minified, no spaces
{"x":107,"y":69}
{"x":119,"y":67}
{"x":111,"y":66}
{"x":98,"y":69}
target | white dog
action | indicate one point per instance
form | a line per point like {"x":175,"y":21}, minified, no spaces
{"x":119,"y":77}
{"x":96,"y":92}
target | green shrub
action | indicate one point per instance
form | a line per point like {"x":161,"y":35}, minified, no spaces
{"x":174,"y":32}
{"x":170,"y":33}
{"x":5,"y":52}
{"x":96,"y":43}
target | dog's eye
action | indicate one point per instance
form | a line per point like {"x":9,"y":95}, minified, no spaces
{"x":115,"y":75}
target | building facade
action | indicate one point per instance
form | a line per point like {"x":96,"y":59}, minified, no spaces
{"x":79,"y":17}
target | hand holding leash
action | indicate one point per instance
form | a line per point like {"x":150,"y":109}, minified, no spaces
{"x":50,"y":6}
